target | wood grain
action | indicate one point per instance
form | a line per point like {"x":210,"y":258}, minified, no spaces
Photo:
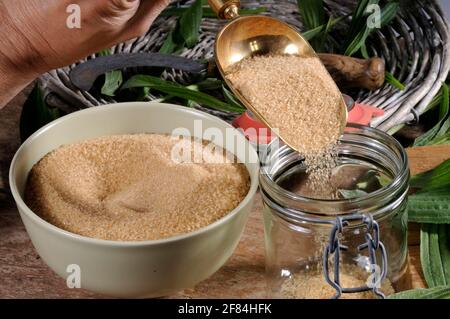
{"x":424,"y":158}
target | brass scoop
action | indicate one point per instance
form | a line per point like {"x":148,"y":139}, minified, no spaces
{"x":246,"y":36}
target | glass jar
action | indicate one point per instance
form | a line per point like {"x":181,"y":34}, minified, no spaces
{"x":349,"y":248}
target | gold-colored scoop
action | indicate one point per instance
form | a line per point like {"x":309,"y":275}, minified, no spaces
{"x":246,"y":36}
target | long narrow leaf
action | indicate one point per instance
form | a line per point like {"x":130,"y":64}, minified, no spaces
{"x":312,"y":12}
{"x":324,"y":35}
{"x":431,"y":293}
{"x":390,"y":78}
{"x":313,"y":16}
{"x":435,"y":254}
{"x":358,"y":41}
{"x":431,"y":207}
{"x":364,"y":52}
{"x":169,"y":46}
{"x":359,"y":20}
{"x":190,"y":23}
{"x":230,"y":98}
{"x":360,"y":29}
{"x":179,"y":91}
{"x":441,"y":140}
{"x":310,"y":34}
{"x":206,"y":85}
{"x":113,"y":79}
{"x":445,"y":128}
{"x":433,"y":179}
{"x":426,"y":138}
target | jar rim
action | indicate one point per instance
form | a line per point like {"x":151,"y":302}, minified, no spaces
{"x":396,"y":183}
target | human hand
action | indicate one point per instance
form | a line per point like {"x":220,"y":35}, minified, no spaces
{"x":35,"y":34}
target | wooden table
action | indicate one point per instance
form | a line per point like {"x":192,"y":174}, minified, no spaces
{"x":24,"y":275}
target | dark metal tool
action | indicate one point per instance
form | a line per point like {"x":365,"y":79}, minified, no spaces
{"x":84,"y":75}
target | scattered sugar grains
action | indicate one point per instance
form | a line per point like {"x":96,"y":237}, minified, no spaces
{"x":297,"y":96}
{"x":307,"y":285}
{"x":127,"y":187}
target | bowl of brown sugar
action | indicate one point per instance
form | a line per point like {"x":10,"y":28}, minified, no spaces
{"x":135,"y":199}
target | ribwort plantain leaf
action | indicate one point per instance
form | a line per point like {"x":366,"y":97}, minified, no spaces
{"x":390,"y":78}
{"x":431,"y":293}
{"x":431,"y":207}
{"x":177,"y":90}
{"x":113,"y":79}
{"x":436,"y":131}
{"x":435,"y":254}
{"x":190,"y":23}
{"x":359,"y":27}
{"x":433,"y":179}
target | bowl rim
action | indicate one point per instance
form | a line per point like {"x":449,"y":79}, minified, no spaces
{"x":23,"y":207}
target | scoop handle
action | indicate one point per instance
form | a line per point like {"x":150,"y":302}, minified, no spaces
{"x":225,"y":9}
{"x":350,"y":72}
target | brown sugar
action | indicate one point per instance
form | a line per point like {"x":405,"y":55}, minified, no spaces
{"x":312,"y":285}
{"x":129,"y":188}
{"x":295,"y":95}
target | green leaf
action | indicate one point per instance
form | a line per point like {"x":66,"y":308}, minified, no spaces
{"x":383,"y":180}
{"x":113,"y":79}
{"x":187,"y":28}
{"x":389,"y":12}
{"x":431,"y":207}
{"x":312,"y":12}
{"x":148,"y":81}
{"x":428,"y":137}
{"x":169,"y":44}
{"x":143,"y":94}
{"x":324,"y":35}
{"x":364,"y":52}
{"x":435,"y":254}
{"x":349,"y":194}
{"x":206,"y":85}
{"x":445,"y":128}
{"x":431,"y":293}
{"x":359,"y":29}
{"x":441,"y":140}
{"x":190,"y":22}
{"x":35,"y":113}
{"x":311,"y":34}
{"x":358,"y":41}
{"x":390,"y":78}
{"x":313,"y":16}
{"x":433,"y":179}
{"x":359,"y":20}
{"x":230,"y":98}
{"x":179,"y":91}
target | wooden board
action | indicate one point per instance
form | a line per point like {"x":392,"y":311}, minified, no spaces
{"x":24,"y":275}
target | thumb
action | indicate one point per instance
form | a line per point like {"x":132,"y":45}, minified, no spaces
{"x":118,"y":11}
{"x":147,"y":12}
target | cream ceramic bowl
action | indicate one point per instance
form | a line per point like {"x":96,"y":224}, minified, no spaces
{"x":132,"y":269}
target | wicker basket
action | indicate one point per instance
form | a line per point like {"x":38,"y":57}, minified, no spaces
{"x":415,"y":47}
